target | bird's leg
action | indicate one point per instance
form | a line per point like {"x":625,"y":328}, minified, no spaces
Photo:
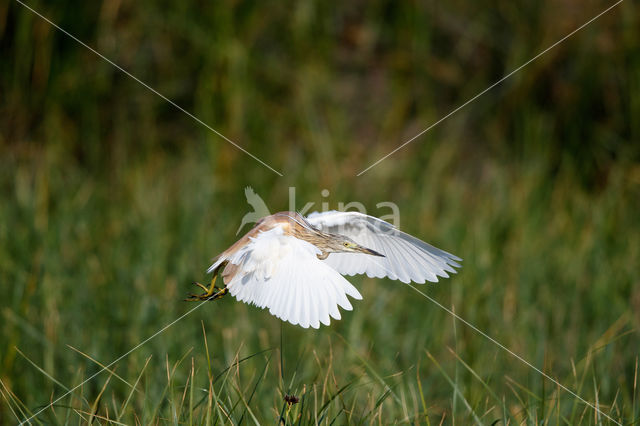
{"x":211,"y":293}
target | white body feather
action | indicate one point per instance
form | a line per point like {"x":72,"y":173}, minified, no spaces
{"x":284,"y":274}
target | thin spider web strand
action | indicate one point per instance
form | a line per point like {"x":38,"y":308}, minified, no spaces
{"x":491,"y":87}
{"x":114,"y":362}
{"x":148,"y":87}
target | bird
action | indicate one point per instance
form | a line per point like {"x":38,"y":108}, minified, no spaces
{"x":293,"y":265}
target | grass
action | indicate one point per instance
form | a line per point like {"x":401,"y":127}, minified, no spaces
{"x":113,"y":203}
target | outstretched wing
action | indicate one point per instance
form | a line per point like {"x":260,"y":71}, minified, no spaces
{"x":406,"y":258}
{"x":283,"y":274}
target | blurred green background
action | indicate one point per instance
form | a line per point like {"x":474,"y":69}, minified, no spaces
{"x":113,"y":202}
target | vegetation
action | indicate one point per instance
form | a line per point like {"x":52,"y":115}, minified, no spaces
{"x":113,"y":202}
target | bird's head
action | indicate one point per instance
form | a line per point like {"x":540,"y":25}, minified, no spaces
{"x":342,"y":244}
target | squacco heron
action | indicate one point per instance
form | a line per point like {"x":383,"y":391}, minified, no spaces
{"x":293,"y":265}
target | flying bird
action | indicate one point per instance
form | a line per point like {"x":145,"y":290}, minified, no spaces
{"x":294,"y":265}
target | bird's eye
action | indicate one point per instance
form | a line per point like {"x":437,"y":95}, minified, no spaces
{"x":346,"y":244}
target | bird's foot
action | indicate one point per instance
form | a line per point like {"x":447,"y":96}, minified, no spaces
{"x":210,"y":293}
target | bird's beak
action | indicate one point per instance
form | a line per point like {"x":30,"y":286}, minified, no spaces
{"x":369,"y":251}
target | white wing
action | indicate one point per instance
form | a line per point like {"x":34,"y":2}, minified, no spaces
{"x":283,"y":273}
{"x":406,"y":258}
